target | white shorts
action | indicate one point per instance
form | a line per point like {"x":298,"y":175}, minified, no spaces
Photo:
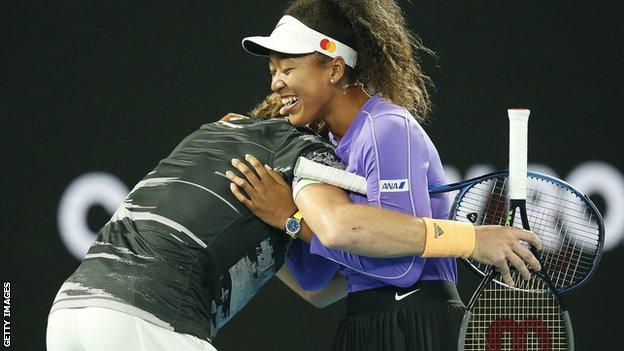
{"x":103,"y":329}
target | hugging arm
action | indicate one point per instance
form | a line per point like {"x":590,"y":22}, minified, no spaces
{"x":370,"y":231}
{"x":361,"y":229}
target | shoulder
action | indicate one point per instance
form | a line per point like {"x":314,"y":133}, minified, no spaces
{"x":273,"y":126}
{"x":390,"y":123}
{"x":283,"y":137}
{"x":381,"y":107}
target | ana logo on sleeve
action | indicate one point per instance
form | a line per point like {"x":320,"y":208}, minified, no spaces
{"x":393,"y":185}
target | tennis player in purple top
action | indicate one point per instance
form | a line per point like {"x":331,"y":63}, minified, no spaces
{"x":351,"y":66}
{"x":387,"y":146}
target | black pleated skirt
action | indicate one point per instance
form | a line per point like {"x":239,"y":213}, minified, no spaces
{"x":425,"y":317}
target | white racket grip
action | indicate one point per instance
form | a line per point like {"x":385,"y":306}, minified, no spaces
{"x":305,"y":168}
{"x":518,"y":135}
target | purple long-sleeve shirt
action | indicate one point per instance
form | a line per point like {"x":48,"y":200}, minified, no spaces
{"x":386,"y":145}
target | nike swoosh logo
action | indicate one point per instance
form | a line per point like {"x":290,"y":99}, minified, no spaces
{"x":401,"y":297}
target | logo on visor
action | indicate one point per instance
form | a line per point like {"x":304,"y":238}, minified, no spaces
{"x":328,"y":45}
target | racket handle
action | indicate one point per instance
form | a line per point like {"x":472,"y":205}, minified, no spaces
{"x":305,"y":168}
{"x":518,"y":133}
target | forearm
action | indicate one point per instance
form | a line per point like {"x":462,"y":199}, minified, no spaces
{"x":376,"y":232}
{"x":397,"y":271}
{"x":359,"y":229}
{"x":335,"y":290}
{"x":306,"y":233}
{"x":370,"y":231}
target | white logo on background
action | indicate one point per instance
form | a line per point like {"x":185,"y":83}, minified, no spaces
{"x":90,"y":189}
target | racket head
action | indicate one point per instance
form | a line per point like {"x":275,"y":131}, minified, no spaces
{"x":566,"y":221}
{"x":531,"y":317}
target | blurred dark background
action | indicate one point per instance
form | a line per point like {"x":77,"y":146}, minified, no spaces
{"x":112,"y":87}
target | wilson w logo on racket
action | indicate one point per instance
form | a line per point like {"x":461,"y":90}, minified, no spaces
{"x":519,"y":332}
{"x":532,"y":317}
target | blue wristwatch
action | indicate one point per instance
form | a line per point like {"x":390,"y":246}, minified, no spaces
{"x":293,"y":225}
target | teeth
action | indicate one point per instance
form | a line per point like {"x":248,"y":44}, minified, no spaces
{"x":290,"y":100}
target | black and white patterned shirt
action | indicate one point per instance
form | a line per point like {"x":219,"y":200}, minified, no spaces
{"x":181,"y":251}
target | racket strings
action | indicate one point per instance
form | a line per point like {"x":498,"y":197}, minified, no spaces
{"x":567,"y":226}
{"x":539,"y":199}
{"x":562,"y":255}
{"x":567,"y":260}
{"x":571,"y":244}
{"x":562,"y":218}
{"x":528,"y":318}
{"x":583,"y":222}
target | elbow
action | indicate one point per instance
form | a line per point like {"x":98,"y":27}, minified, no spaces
{"x":335,"y":229}
{"x":330,"y":238}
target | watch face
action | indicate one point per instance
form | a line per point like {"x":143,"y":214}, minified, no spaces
{"x":292,"y":225}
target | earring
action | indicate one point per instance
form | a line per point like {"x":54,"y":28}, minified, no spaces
{"x":332,"y":81}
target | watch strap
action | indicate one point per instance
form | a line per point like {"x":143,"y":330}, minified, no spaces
{"x":298,"y":216}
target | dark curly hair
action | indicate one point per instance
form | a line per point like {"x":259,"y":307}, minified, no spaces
{"x":387,"y":50}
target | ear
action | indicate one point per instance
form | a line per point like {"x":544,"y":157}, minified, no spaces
{"x":338,"y":68}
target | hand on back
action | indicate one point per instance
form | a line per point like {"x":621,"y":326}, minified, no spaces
{"x":267,"y":194}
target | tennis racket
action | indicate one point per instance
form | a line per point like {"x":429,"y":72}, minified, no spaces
{"x":566,"y":221}
{"x":532,"y":317}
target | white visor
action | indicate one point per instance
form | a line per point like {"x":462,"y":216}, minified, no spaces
{"x":290,"y":36}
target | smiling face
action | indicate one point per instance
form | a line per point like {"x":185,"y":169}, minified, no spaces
{"x":303,"y":85}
